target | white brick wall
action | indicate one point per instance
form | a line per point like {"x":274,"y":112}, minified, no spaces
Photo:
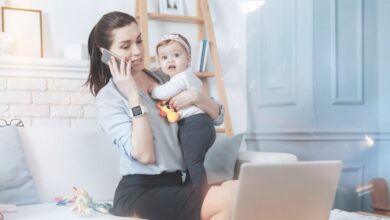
{"x":79,"y":98}
{"x":66,"y":85}
{"x":3,"y":83}
{"x":61,"y":98}
{"x":15,"y":97}
{"x":64,"y":111}
{"x":47,"y":102}
{"x":30,"y":110}
{"x":4,"y":111}
{"x":26,"y":84}
{"x":46,"y":92}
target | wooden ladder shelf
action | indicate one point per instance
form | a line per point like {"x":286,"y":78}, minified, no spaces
{"x":205,"y":26}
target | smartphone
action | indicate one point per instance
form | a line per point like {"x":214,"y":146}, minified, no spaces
{"x":106,"y":56}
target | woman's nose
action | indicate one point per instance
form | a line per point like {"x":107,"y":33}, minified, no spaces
{"x":135,"y":50}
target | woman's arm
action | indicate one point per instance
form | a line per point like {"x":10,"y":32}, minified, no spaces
{"x":142,"y":144}
{"x":192,"y":97}
{"x":142,"y":138}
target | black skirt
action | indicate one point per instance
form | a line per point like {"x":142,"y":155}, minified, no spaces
{"x":158,"y":197}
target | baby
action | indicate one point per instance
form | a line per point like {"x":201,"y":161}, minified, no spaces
{"x":196,"y":128}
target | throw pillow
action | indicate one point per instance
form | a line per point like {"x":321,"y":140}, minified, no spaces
{"x":221,"y":158}
{"x":16,"y":184}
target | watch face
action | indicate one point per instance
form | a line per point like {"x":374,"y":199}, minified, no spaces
{"x":136,"y":110}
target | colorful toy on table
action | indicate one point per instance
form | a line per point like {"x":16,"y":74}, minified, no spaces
{"x":82,"y":203}
{"x":168,"y":111}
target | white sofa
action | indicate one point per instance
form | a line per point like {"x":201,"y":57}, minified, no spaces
{"x":60,"y":158}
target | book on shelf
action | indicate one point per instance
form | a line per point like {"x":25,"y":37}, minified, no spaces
{"x":203,"y":52}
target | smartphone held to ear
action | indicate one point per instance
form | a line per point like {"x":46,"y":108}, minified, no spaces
{"x":106,"y":56}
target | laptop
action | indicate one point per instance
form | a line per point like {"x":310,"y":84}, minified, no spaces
{"x":290,"y":191}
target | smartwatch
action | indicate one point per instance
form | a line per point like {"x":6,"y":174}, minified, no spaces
{"x":138,"y":111}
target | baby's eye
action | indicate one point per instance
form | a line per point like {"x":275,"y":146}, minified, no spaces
{"x":177,"y":55}
{"x":164,"y":57}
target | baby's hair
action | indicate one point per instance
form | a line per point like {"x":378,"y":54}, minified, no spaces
{"x":168,"y":41}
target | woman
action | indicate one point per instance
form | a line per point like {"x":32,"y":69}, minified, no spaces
{"x":151,"y":160}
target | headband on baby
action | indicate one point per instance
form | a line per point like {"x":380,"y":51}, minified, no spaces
{"x":177,"y":38}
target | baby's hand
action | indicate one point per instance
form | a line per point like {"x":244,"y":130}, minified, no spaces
{"x":151,"y":87}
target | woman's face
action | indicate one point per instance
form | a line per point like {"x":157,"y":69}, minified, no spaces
{"x":127,"y":43}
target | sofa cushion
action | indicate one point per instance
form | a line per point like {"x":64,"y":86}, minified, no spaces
{"x":60,"y":158}
{"x":16,"y":183}
{"x":221,"y":158}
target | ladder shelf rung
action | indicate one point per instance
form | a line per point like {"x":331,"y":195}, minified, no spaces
{"x":204,"y":74}
{"x":153,"y":59}
{"x":176,"y":18}
{"x":220,"y":130}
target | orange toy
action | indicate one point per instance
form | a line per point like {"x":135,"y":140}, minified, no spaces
{"x":168,"y":111}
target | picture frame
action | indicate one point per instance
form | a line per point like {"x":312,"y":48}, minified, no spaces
{"x":171,"y":7}
{"x":26,"y":27}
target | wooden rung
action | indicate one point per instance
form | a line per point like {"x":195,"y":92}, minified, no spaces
{"x":176,"y":18}
{"x":204,"y":74}
{"x":153,"y":59}
{"x":220,"y":130}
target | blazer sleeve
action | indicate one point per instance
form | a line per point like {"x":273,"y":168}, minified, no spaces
{"x":114,"y":119}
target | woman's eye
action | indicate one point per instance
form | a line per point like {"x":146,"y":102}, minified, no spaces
{"x":139,"y":41}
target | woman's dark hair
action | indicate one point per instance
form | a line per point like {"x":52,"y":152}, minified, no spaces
{"x":100,"y":36}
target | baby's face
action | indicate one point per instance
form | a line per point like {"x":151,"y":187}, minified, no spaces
{"x":173,"y":58}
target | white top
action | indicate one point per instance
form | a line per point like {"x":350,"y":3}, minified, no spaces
{"x":178,"y":83}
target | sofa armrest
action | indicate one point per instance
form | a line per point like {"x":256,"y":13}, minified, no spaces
{"x":262,"y":157}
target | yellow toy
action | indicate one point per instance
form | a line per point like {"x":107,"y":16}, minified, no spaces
{"x":168,"y":111}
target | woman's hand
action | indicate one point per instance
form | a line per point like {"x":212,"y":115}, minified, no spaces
{"x":123,"y":79}
{"x":193,"y":97}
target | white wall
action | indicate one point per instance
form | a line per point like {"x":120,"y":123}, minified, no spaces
{"x":316,"y":88}
{"x":384,"y":89}
{"x":46,"y":93}
{"x":69,"y":22}
{"x":280,"y":66}
{"x":229,"y":26}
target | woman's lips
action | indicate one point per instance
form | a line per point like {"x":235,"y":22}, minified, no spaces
{"x":136,"y":62}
